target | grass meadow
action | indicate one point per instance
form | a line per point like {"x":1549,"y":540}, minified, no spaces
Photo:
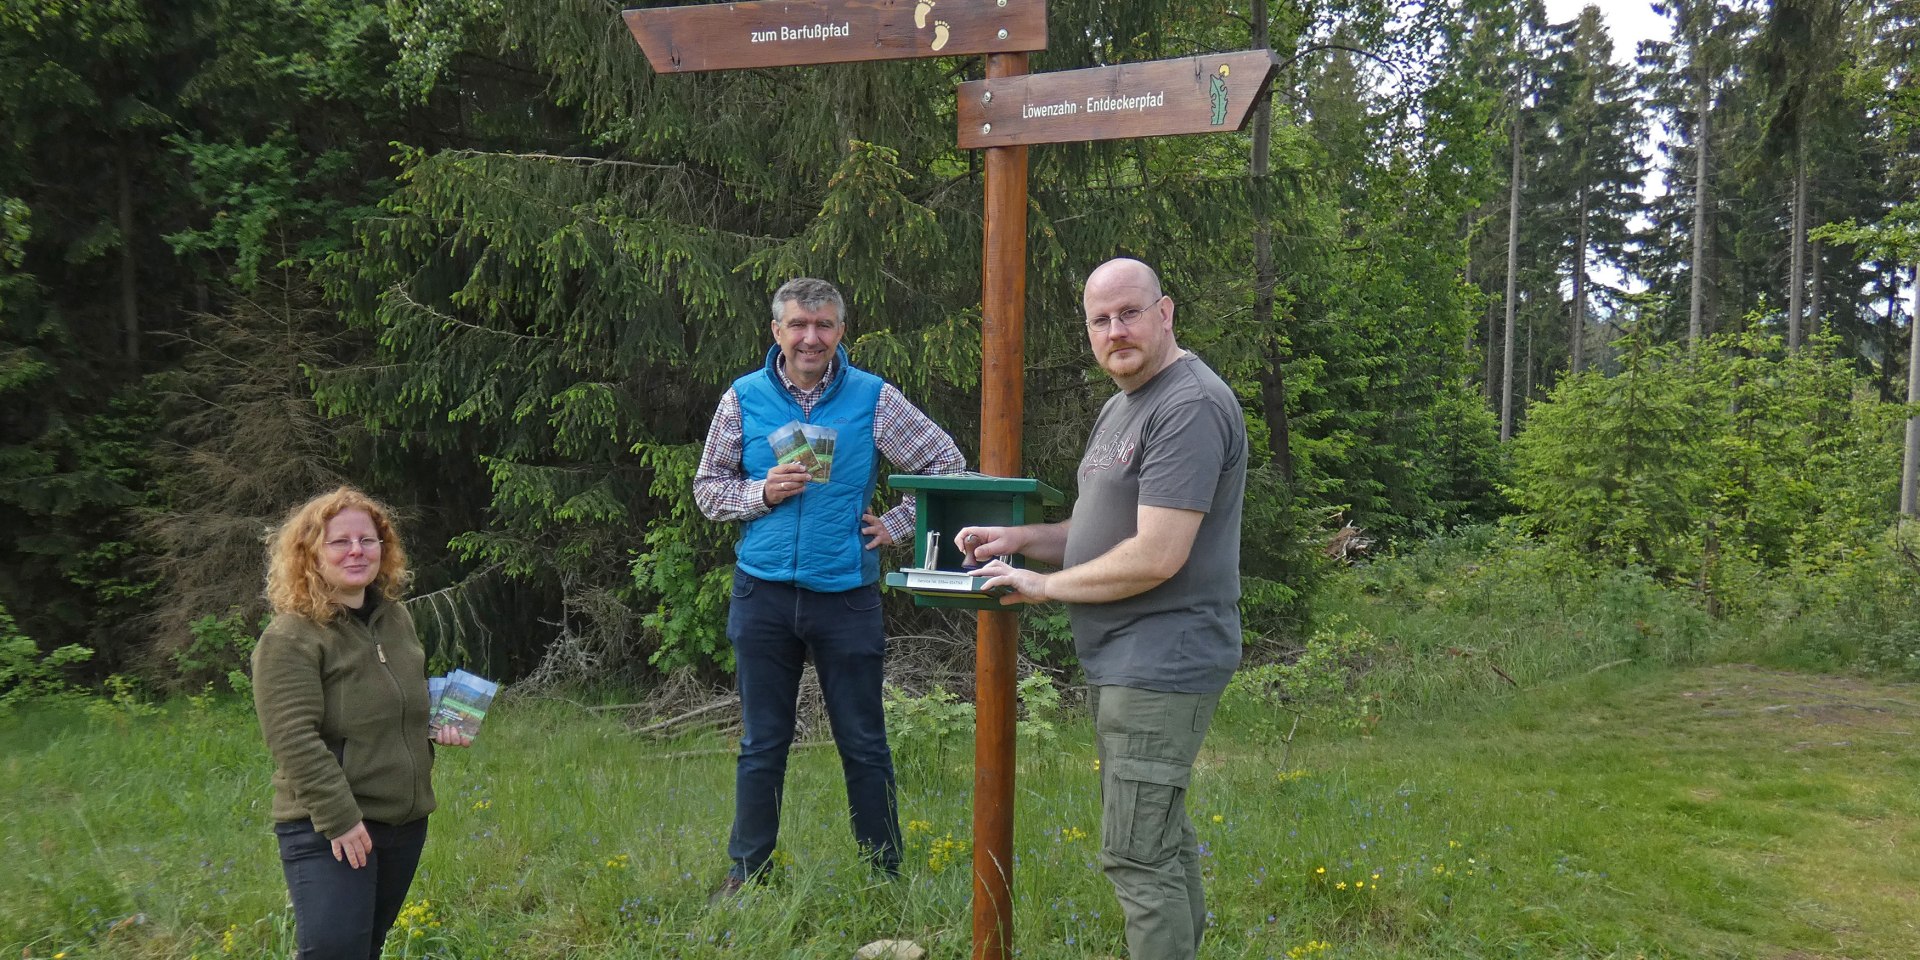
{"x":1725,"y":811}
{"x":1512,"y":773}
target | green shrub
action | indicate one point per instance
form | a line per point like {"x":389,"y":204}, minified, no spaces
{"x":1321,"y":680}
{"x":922,"y":729}
{"x":125,"y":701}
{"x":1039,"y":708}
{"x":1712,"y":467}
{"x":221,"y":651}
{"x":26,"y":674}
{"x":684,"y":575}
{"x":1897,"y":651}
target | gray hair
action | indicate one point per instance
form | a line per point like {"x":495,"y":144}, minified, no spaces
{"x":810,"y":294}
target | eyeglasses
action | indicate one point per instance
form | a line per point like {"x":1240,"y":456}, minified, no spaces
{"x":346,"y":545}
{"x":1124,"y":319}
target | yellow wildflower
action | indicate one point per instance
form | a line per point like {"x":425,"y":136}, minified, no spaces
{"x":944,"y":852}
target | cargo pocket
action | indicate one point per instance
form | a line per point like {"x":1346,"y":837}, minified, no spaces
{"x":1137,"y":817}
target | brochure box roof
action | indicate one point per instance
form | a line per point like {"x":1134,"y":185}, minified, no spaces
{"x":978,"y":484}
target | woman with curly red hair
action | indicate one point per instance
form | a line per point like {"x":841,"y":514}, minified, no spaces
{"x":340,"y":684}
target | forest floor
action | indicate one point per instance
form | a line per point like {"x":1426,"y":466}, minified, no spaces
{"x":1718,"y":811}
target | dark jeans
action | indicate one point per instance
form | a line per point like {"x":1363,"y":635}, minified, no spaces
{"x":775,"y":629}
{"x":340,"y":913}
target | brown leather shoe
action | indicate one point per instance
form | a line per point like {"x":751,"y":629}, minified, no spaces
{"x":730,"y":889}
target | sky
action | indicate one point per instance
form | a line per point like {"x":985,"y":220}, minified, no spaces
{"x":1628,"y":22}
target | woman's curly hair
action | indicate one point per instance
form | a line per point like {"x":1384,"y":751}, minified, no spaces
{"x":294,"y":583}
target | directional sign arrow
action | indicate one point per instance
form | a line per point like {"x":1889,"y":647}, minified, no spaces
{"x":786,"y":33}
{"x":1205,"y":94}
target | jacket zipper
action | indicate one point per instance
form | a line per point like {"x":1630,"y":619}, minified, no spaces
{"x":806,"y":416}
{"x":413,"y":799}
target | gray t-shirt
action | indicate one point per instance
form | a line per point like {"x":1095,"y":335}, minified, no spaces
{"x":1178,"y":441}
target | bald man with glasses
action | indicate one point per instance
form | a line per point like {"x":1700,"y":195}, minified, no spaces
{"x":1150,"y":573}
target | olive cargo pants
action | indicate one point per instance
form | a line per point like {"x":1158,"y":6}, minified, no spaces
{"x":1148,"y":740}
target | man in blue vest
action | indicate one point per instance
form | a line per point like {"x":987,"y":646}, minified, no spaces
{"x":805,"y":584}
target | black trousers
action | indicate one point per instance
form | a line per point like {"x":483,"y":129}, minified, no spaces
{"x":340,"y":913}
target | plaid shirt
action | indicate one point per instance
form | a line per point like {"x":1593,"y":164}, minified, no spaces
{"x":906,"y":437}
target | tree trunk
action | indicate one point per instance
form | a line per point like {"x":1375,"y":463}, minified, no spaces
{"x":129,"y":288}
{"x":1911,"y":468}
{"x":1466,"y":231}
{"x":1273,"y":377}
{"x":1813,"y":291}
{"x":1797,"y":274}
{"x":1513,"y":276}
{"x":1526,"y":392}
{"x":1703,"y":102}
{"x":1577,"y":335}
{"x":1889,"y":334}
{"x":1493,"y":339}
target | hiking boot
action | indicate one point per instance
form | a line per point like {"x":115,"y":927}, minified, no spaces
{"x":731,"y":888}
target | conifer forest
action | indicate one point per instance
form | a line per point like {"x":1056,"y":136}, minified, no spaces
{"x":1469,"y":268}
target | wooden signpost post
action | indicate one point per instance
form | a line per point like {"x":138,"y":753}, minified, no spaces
{"x":1001,"y":114}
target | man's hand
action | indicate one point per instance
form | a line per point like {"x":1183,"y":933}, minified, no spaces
{"x":784,"y":481}
{"x":353,"y":846}
{"x":872,"y":527}
{"x":1022,"y":586}
{"x":981,"y":544}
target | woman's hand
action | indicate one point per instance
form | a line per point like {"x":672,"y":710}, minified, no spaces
{"x":451,"y":737}
{"x":353,"y":846}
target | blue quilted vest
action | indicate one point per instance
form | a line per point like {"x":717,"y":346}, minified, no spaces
{"x":813,"y":539}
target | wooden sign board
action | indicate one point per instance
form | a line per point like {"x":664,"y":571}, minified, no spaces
{"x":787,"y":33}
{"x":1206,"y":94}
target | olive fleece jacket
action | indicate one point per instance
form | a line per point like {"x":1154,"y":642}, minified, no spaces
{"x":344,"y":707}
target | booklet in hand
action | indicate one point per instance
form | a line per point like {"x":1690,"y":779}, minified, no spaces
{"x":791,"y":445}
{"x":461,"y":702}
{"x":821,"y":439}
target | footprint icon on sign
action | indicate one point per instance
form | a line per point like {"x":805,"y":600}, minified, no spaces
{"x":920,"y":11}
{"x":939,"y":35}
